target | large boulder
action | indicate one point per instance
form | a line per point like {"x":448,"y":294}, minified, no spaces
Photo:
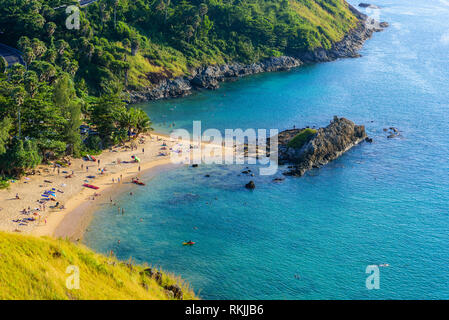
{"x":176,"y":290}
{"x":325,"y":145}
{"x":250,"y":185}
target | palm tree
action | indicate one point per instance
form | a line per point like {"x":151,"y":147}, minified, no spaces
{"x":189,"y":33}
{"x":203,"y":10}
{"x":143,"y":122}
{"x":61,"y":46}
{"x":116,"y":2}
{"x":50,"y":27}
{"x":19,"y":98}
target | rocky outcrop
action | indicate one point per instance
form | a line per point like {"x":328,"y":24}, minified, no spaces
{"x":175,"y":290}
{"x":368,"y":5}
{"x":250,"y":185}
{"x":178,"y":87}
{"x":210,"y":77}
{"x":350,"y":45}
{"x":325,"y":145}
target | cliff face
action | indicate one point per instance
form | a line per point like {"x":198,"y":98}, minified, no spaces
{"x":209,"y":77}
{"x":325,"y":145}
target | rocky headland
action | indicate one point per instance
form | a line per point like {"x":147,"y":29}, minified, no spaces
{"x":304,"y":149}
{"x":209,"y":77}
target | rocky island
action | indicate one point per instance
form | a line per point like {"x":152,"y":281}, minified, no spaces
{"x":304,"y":149}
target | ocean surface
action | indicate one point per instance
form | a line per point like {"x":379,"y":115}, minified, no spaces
{"x":380,"y":203}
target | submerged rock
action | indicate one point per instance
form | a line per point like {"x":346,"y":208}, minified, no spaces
{"x":250,"y":185}
{"x":325,"y":145}
{"x":368,"y":5}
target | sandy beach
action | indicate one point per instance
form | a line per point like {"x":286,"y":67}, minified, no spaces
{"x":76,"y":202}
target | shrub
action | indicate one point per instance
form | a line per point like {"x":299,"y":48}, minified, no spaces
{"x":94,"y":143}
{"x":4,"y":183}
{"x":2,"y":65}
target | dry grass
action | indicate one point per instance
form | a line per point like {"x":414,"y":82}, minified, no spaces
{"x":35,"y":268}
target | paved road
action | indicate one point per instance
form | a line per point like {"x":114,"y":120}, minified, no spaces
{"x":86,"y":2}
{"x":11,"y":55}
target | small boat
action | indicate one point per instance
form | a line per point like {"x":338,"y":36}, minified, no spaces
{"x":188,"y":243}
{"x":140,"y":183}
{"x":91,"y":186}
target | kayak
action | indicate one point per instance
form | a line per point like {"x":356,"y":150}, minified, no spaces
{"x":91,"y":186}
{"x":140,"y":183}
{"x":190,"y":243}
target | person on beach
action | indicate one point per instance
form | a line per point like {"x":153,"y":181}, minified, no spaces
{"x":98,"y":161}
{"x":112,"y":180}
{"x":17,"y":196}
{"x":87,"y":168}
{"x":82,"y":166}
{"x":143,"y":150}
{"x":139,"y":168}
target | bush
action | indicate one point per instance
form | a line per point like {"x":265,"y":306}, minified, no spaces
{"x":301,"y":138}
{"x":2,"y":65}
{"x":93,"y":143}
{"x":4,"y":184}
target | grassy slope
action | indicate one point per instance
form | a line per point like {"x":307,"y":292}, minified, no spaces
{"x":301,"y":138}
{"x":31,"y":268}
{"x":335,"y":22}
{"x":168,"y":62}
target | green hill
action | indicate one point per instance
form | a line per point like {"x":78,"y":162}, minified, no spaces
{"x":136,"y":42}
{"x":35,"y":268}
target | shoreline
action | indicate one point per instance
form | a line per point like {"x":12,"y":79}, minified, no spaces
{"x":73,"y":223}
{"x":210,"y":77}
{"x":78,"y":202}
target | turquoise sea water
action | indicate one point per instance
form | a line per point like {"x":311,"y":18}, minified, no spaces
{"x":385,"y":202}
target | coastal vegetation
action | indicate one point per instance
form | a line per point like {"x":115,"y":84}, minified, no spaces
{"x":82,"y":76}
{"x":3,"y":65}
{"x":37,"y":268}
{"x":301,"y":138}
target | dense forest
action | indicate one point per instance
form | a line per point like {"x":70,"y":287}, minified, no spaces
{"x":77,"y":77}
